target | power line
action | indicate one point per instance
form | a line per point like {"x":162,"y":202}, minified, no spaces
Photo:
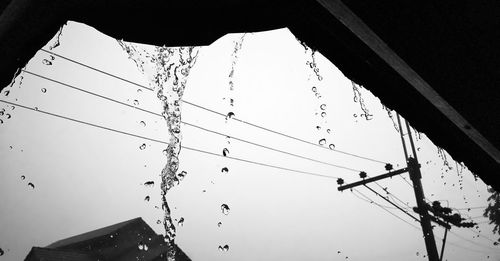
{"x":370,"y":201}
{"x":270,"y":148}
{"x":391,"y":194}
{"x":481,"y":235}
{"x":97,"y":70}
{"x":164,"y":142}
{"x":483,"y":207}
{"x":218,"y":113}
{"x":390,"y":202}
{"x":472,"y":242}
{"x":398,"y":217}
{"x":417,"y":228}
{"x":261,"y":164}
{"x":190,"y":124}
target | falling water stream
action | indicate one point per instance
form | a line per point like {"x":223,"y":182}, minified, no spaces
{"x":167,"y":70}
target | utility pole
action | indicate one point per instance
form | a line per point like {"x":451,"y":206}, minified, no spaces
{"x":416,"y":176}
{"x":413,"y":168}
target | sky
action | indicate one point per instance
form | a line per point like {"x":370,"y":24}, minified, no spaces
{"x":85,"y":178}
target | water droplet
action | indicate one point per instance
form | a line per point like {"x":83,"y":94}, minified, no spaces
{"x":229,"y":115}
{"x":318,"y":127}
{"x":1,"y":121}
{"x":1,"y":252}
{"x":331,"y":146}
{"x":322,"y":106}
{"x":143,"y":124}
{"x":140,"y":246}
{"x":225,"y":170}
{"x":219,"y":224}
{"x":139,"y":90}
{"x":181,"y":221}
{"x":6,"y":93}
{"x":323,"y":114}
{"x":23,"y":177}
{"x":31,"y":185}
{"x":182,"y":175}
{"x":355,"y":115}
{"x":147,"y":198}
{"x":158,"y":221}
{"x":320,"y":78}
{"x":225,"y":152}
{"x":143,"y":146}
{"x":314,"y":89}
{"x":46,"y":62}
{"x":8,"y":116}
{"x":44,"y":90}
{"x":225,"y":209}
{"x":224,"y":248}
{"x":328,"y":131}
{"x":136,"y":102}
{"x":149,"y":183}
{"x":322,"y":142}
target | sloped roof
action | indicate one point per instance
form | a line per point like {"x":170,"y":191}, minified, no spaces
{"x":94,"y":233}
{"x":47,"y":254}
{"x":99,"y":244}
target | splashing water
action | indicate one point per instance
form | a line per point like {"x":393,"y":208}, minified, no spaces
{"x":181,"y":221}
{"x":391,"y":116}
{"x":225,"y":209}
{"x":167,"y":70}
{"x":237,"y":47}
{"x":181,"y":175}
{"x":149,"y":183}
{"x":56,"y":43}
{"x":357,"y":98}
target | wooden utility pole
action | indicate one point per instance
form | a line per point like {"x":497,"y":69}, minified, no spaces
{"x":416,"y":176}
{"x":413,"y":168}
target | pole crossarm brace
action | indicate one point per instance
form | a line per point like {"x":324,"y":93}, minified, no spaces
{"x":369,"y":180}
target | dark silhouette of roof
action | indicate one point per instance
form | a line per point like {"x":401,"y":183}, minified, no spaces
{"x":436,"y":62}
{"x":129,"y":240}
{"x":47,"y":254}
{"x":93,"y":234}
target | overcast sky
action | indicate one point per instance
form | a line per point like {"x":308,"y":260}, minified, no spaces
{"x":86,"y":178}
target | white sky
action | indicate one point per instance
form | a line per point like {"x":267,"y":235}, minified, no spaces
{"x":86,"y":178}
